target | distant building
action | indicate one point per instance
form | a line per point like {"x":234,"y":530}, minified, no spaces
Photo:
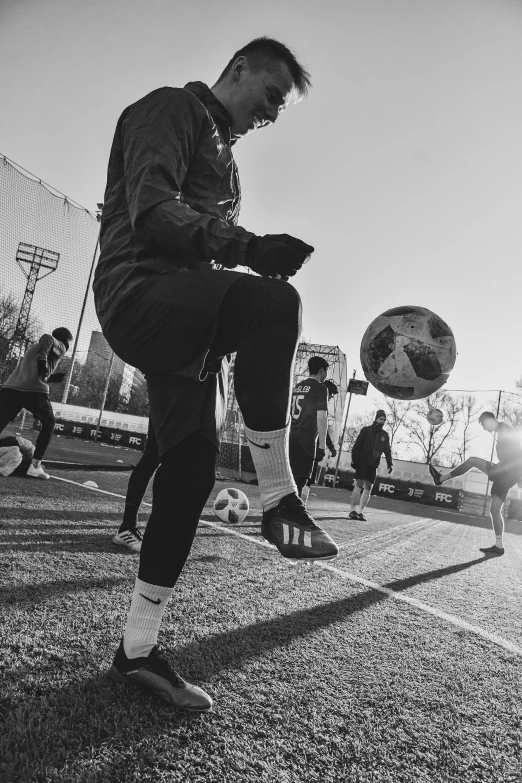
{"x":99,"y":357}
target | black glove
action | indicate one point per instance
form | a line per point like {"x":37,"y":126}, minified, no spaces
{"x":56,"y":377}
{"x":390,"y":468}
{"x":319,"y":454}
{"x":277,"y":254}
{"x":333,"y":452}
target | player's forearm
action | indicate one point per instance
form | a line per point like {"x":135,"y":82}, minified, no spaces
{"x":322,"y":428}
{"x":175,"y":229}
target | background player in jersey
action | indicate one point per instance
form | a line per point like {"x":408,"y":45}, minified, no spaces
{"x":309,"y":424}
{"x":169,"y":304}
{"x":27,"y":387}
{"x":371,"y":443}
{"x":504,"y":474}
{"x":332,"y":390}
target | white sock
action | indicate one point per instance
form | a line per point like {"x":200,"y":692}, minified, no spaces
{"x":144,"y":618}
{"x":270,"y":457}
{"x":499,"y":541}
{"x":364,"y":499}
{"x":358,"y":509}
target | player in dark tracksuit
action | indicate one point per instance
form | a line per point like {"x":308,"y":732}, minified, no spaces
{"x":504,"y":474}
{"x":309,"y":421}
{"x":171,"y":302}
{"x":371,"y":443}
{"x":27,"y":387}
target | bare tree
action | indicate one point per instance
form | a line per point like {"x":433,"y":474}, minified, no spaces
{"x":432,"y":441}
{"x":510,"y":410}
{"x":470,"y":413}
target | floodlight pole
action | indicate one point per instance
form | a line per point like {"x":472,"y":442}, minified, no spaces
{"x":67,"y":386}
{"x":491,"y":457}
{"x":342,"y":436}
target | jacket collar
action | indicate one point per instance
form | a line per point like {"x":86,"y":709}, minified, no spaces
{"x":219,"y":114}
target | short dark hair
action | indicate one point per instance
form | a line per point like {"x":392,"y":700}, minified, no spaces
{"x":316,"y":363}
{"x":486,"y":415}
{"x":332,"y":387}
{"x":63,"y":335}
{"x":262,"y":51}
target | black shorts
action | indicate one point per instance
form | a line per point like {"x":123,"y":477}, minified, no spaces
{"x":503,"y":476}
{"x":302,"y":453}
{"x":366,"y":473}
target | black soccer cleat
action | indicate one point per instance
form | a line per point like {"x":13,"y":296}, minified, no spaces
{"x":353,"y":515}
{"x":361,"y":517}
{"x":292,"y":530}
{"x":154,"y":674}
{"x":492,"y":551}
{"x":435,"y":474}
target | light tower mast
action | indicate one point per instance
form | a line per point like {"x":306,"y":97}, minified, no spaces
{"x":38,"y":260}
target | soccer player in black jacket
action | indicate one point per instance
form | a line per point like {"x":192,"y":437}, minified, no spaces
{"x":371,"y":443}
{"x":170,"y":304}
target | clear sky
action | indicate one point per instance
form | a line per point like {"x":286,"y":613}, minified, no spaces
{"x":403,"y":167}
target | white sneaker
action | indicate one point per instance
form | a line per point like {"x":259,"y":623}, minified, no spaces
{"x":37,"y":472}
{"x":130,"y":539}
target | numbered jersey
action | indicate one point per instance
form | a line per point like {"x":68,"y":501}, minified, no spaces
{"x":308,"y":397}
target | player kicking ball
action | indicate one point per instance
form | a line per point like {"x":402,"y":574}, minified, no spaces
{"x":170,"y":304}
{"x":504,"y":474}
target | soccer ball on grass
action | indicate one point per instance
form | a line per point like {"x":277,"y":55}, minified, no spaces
{"x":231,"y":506}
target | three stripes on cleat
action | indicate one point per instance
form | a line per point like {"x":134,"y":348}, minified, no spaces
{"x":287,"y":529}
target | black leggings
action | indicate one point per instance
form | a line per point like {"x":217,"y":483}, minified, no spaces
{"x":260,"y":319}
{"x":182,"y":485}
{"x":139,"y":481}
{"x":11,"y":403}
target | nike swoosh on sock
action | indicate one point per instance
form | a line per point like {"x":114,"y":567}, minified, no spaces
{"x":151,"y":599}
{"x":259,"y":445}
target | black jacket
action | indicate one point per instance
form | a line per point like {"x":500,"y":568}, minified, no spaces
{"x":173,"y":196}
{"x":371,"y":441}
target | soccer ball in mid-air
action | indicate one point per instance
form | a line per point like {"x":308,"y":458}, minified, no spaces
{"x":231,"y":506}
{"x":408,"y":352}
{"x":435,"y":416}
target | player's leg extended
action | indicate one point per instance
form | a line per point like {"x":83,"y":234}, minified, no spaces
{"x":472,"y":462}
{"x":183,"y":483}
{"x":497,"y":520}
{"x":260,"y":319}
{"x":40,"y":406}
{"x":356,"y":499}
{"x":128,"y":534}
{"x":365,"y":497}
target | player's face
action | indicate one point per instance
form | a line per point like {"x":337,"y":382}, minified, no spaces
{"x":489,"y":425}
{"x":258,"y":97}
{"x":381,"y":420}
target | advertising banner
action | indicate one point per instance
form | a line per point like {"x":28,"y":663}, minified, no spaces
{"x":430,"y":495}
{"x":413,"y":491}
{"x":132,"y":440}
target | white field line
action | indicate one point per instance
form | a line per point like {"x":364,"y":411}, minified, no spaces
{"x":458,"y":622}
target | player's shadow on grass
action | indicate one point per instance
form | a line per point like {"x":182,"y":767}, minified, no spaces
{"x":43,"y":592}
{"x":81,"y":702}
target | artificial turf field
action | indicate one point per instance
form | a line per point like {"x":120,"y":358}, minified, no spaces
{"x":315,"y":676}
